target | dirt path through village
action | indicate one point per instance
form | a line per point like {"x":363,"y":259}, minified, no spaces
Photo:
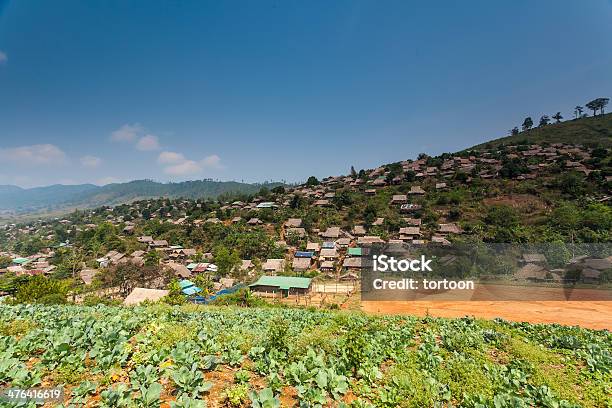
{"x":589,"y":314}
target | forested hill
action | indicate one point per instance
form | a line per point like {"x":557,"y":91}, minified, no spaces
{"x":17,"y":200}
{"x":594,"y":131}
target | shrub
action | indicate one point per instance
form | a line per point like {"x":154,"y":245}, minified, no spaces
{"x":39,"y":289}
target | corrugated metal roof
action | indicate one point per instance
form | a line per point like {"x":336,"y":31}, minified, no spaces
{"x":354,"y":251}
{"x":283,"y":282}
{"x":185,"y":283}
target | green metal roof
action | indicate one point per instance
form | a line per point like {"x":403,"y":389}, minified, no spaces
{"x":354,"y":251}
{"x":283,"y":282}
{"x":21,"y":261}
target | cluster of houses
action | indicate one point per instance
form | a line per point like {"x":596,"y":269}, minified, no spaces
{"x":337,"y":252}
{"x":488,"y":165}
{"x":37,"y":264}
{"x":584,"y":268}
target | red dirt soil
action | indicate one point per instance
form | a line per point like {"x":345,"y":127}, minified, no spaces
{"x":589,"y":314}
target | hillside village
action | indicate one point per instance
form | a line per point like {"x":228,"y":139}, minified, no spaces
{"x":512,"y":193}
{"x":305,"y":204}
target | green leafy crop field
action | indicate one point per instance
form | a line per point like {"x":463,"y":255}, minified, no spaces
{"x":189,"y":356}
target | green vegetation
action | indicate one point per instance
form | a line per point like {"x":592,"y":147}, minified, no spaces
{"x":38,"y":289}
{"x":146,"y":356}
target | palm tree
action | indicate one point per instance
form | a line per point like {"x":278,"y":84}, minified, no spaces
{"x":557,"y":116}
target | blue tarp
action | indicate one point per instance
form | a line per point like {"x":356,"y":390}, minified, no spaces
{"x":188,"y":287}
{"x":185,"y":283}
{"x":202,"y":300}
{"x":192,"y":290}
{"x":304,"y":254}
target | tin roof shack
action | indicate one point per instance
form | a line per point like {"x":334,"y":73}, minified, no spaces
{"x":329,"y":254}
{"x":274,"y":265}
{"x":409,"y":233}
{"x":286,"y":285}
{"x":313,"y":246}
{"x":450,"y":228}
{"x":179,"y":270}
{"x":532,"y":272}
{"x":589,"y":270}
{"x":301,"y":264}
{"x":352,"y":264}
{"x":399,"y":199}
{"x":590,"y":276}
{"x":594,"y":268}
{"x":359,"y":230}
{"x":293,"y":223}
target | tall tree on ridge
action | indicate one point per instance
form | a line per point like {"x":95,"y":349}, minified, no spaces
{"x":598,"y":104}
{"x":557,"y":116}
{"x":527,"y":123}
{"x":578,"y":111}
{"x":593,"y":105}
{"x":544,"y":120}
{"x":602,"y":104}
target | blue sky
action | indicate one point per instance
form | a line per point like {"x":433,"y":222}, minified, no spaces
{"x":104,"y":91}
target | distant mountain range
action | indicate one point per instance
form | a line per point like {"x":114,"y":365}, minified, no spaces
{"x":16,"y":200}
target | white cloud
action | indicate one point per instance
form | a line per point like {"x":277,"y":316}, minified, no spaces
{"x":41,"y":154}
{"x":176,"y":164}
{"x":127,"y":133}
{"x":148,"y":143}
{"x":188,"y":167}
{"x":170,"y":158}
{"x":3,"y":57}
{"x":213,"y":161}
{"x":90,"y":161}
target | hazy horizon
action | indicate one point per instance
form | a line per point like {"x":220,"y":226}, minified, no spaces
{"x":152,"y":180}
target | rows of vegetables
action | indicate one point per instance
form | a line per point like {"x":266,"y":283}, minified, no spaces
{"x":188,"y":356}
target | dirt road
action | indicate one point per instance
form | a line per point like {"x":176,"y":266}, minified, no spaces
{"x":590,"y":314}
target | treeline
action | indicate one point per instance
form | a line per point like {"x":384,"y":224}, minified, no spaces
{"x":596,"y":105}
